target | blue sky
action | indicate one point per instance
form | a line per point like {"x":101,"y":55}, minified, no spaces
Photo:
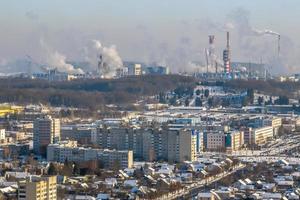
{"x":139,"y":28}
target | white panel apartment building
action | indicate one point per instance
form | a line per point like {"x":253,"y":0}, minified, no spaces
{"x":261,"y":135}
{"x":69,"y":151}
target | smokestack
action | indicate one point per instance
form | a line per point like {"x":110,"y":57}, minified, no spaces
{"x":211,"y":51}
{"x":278,"y":46}
{"x":227,"y":40}
{"x":226,"y":56}
{"x":206,"y":57}
{"x":100,"y":64}
{"x":211,"y":39}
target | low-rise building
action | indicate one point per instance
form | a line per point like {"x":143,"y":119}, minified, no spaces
{"x":38,"y":188}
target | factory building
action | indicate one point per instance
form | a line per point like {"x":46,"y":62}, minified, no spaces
{"x":55,"y":75}
{"x":135,"y":70}
{"x":159,"y":70}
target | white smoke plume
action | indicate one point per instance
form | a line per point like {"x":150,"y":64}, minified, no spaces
{"x":265,"y":32}
{"x":193,"y":67}
{"x":56,"y":60}
{"x":253,"y":48}
{"x":3,"y":62}
{"x":110,"y":57}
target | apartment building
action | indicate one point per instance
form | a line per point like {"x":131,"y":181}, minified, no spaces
{"x":150,"y":144}
{"x":234,"y":140}
{"x":46,"y":130}
{"x":120,"y":138}
{"x":261,"y":135}
{"x":247,"y":131}
{"x":187,"y":145}
{"x":214,"y":141}
{"x":275,"y":122}
{"x":81,"y":133}
{"x":70,"y":151}
{"x":38,"y":188}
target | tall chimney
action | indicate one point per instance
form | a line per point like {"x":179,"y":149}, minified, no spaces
{"x":226,"y":56}
{"x":278,"y":46}
{"x":227,"y":40}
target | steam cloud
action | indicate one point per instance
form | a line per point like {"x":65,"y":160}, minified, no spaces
{"x":110,"y":57}
{"x":254,"y":48}
{"x":56,"y":60}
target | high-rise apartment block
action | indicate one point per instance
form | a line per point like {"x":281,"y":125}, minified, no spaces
{"x":150,"y":144}
{"x":46,"y":130}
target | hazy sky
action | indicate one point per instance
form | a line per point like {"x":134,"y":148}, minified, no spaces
{"x":164,"y":31}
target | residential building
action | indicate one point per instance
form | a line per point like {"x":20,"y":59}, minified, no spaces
{"x":261,"y":135}
{"x":38,"y":188}
{"x":275,"y":122}
{"x":2,"y":134}
{"x":62,"y":151}
{"x":214,"y":141}
{"x":13,"y":151}
{"x":181,"y":145}
{"x":247,"y":135}
{"x":82,"y":134}
{"x":170,"y":143}
{"x":234,"y":140}
{"x":46,"y":130}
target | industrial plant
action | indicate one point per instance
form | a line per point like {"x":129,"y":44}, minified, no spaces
{"x":100,"y":61}
{"x":225,"y":68}
{"x":106,"y":63}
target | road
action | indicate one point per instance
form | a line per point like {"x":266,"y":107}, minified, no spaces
{"x":193,"y":189}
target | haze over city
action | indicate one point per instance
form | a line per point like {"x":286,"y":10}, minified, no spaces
{"x":149,"y":99}
{"x":172,"y":33}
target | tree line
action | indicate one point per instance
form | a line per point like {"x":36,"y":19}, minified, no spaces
{"x":89,"y":93}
